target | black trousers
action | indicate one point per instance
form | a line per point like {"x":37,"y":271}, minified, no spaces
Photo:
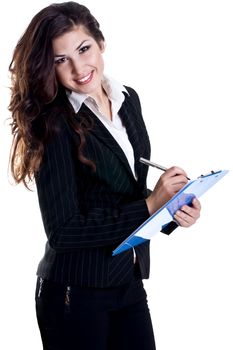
{"x":77,"y":318}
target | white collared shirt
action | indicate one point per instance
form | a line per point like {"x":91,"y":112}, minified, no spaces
{"x":114,"y":91}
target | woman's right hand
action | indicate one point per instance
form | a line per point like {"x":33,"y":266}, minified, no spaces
{"x":169,"y":183}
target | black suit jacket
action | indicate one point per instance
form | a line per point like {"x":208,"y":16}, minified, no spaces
{"x":87,"y":214}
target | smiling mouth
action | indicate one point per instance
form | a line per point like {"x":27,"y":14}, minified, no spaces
{"x":86,"y":79}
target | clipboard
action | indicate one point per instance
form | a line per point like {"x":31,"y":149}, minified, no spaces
{"x":157,"y":221}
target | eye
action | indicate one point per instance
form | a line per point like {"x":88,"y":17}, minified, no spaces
{"x":60,"y":60}
{"x":84,"y":48}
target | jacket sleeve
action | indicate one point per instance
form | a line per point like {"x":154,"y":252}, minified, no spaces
{"x":169,"y":228}
{"x":66,"y":227}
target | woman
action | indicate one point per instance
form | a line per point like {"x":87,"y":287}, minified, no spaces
{"x":80,"y":134}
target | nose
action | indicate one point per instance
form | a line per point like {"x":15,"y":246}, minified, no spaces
{"x":76,"y":67}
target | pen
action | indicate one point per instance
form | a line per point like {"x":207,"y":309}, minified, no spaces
{"x":148,"y":162}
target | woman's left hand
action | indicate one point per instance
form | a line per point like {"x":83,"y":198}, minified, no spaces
{"x":188,"y":215}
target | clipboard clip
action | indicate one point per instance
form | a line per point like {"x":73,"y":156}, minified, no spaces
{"x":212,"y":172}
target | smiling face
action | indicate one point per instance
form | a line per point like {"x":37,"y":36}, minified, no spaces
{"x":78,"y":61}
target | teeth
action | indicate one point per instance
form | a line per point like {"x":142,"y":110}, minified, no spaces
{"x":85,"y":78}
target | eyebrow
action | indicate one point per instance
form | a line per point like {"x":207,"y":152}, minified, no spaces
{"x":77,"y":48}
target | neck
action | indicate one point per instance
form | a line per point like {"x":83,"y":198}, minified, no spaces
{"x":100,"y":96}
{"x":103,"y":103}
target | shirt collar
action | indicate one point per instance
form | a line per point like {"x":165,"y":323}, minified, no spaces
{"x":113,"y":88}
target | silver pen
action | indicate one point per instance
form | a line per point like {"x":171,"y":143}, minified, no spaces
{"x":148,"y":162}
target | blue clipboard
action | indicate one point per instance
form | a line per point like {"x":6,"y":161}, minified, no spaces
{"x":157,"y":221}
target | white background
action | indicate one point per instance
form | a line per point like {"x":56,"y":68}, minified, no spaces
{"x":178,"y":55}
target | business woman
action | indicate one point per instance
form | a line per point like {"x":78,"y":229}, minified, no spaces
{"x":80,"y":135}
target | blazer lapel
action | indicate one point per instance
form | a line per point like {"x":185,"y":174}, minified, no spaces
{"x":131,"y":118}
{"x":101,"y":132}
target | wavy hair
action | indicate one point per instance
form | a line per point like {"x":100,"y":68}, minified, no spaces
{"x":36,"y":95}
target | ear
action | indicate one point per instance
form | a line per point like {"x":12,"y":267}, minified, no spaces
{"x":102,"y":46}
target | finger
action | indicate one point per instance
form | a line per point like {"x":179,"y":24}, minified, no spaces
{"x":181,"y":222}
{"x":196,"y":203}
{"x":179,"y":181}
{"x":191,"y":211}
{"x":175,"y":170}
{"x":176,"y":181}
{"x":184,"y":218}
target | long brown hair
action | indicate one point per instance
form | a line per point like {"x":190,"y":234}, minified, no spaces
{"x":35,"y":91}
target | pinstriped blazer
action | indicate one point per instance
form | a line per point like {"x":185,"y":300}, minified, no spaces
{"x":87,"y":214}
